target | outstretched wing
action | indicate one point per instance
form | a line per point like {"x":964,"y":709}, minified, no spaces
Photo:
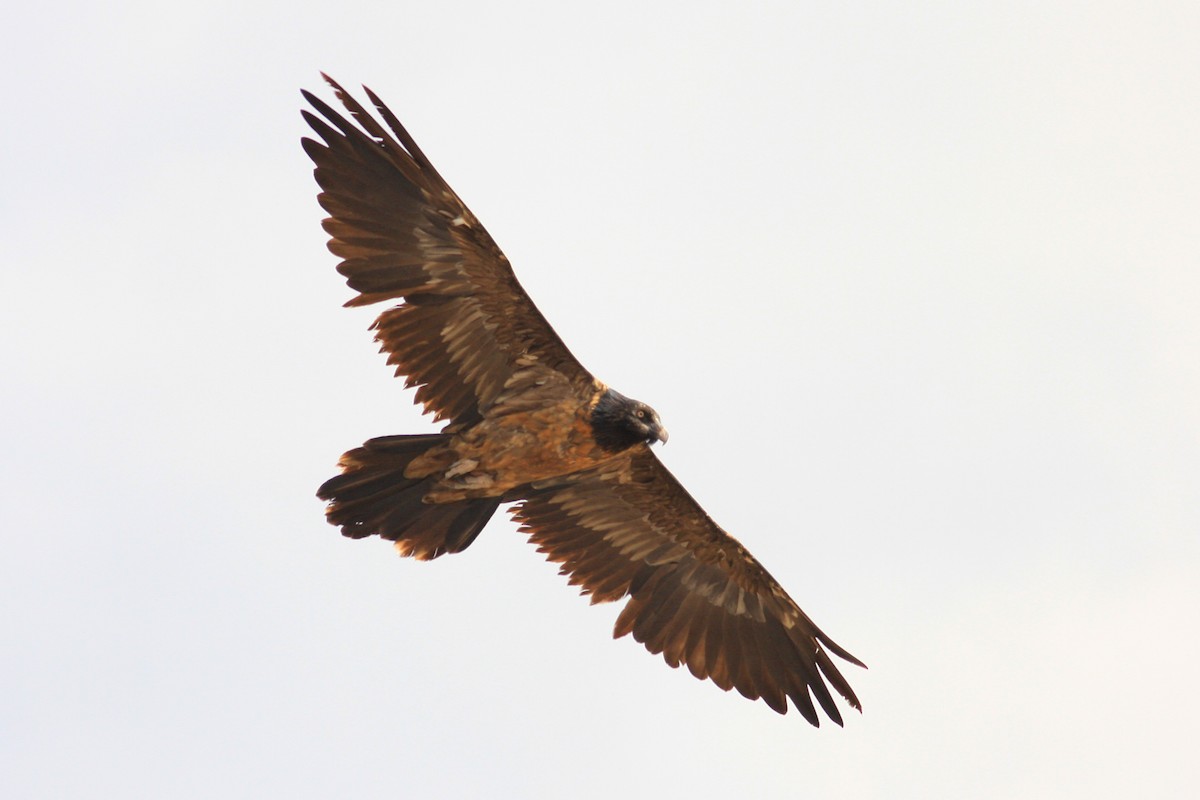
{"x":465,"y":325}
{"x":695,"y":594}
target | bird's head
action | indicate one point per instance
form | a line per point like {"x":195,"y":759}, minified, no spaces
{"x":619,"y":422}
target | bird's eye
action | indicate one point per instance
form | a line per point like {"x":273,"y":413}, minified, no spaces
{"x":640,"y":414}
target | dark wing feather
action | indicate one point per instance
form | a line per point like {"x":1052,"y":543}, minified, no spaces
{"x":465,"y":325}
{"x":695,"y":594}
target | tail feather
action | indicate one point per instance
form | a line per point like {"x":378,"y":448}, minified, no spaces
{"x":373,"y":498}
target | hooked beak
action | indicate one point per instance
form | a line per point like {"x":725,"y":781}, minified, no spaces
{"x":660,"y":433}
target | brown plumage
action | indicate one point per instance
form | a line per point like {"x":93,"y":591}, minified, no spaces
{"x":527,"y":424}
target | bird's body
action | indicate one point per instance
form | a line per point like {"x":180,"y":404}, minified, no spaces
{"x":527,"y":424}
{"x":540,"y":433}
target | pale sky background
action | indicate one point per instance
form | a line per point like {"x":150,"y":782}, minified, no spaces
{"x":915,"y":287}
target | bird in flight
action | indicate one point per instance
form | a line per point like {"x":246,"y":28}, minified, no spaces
{"x":526,"y":424}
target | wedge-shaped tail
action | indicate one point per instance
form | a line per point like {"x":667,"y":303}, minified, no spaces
{"x":373,"y":497}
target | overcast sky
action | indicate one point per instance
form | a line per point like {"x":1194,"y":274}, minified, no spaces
{"x":914,"y":286}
